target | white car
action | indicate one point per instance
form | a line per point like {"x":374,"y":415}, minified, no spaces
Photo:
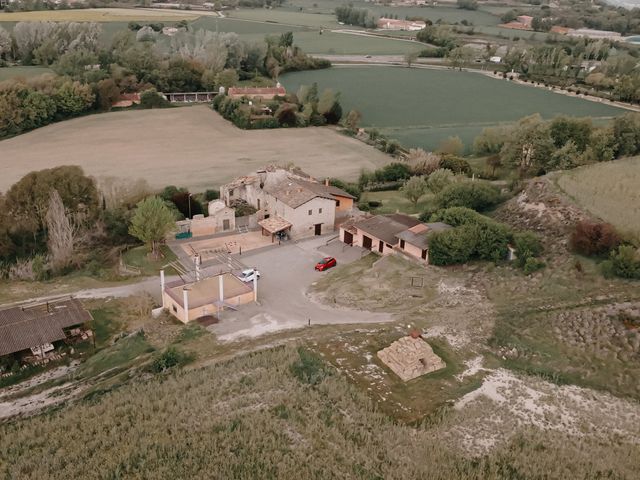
{"x":248,"y":275}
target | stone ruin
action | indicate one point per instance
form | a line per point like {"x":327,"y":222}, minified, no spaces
{"x":410,"y":357}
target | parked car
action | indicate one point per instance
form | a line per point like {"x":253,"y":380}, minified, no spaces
{"x":325,"y":263}
{"x":248,"y":275}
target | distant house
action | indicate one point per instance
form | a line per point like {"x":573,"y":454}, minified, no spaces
{"x":35,"y":329}
{"x":415,"y":240}
{"x":289,"y":201}
{"x":522,"y":22}
{"x":264,"y":93}
{"x":595,"y":34}
{"x":394,"y":24}
{"x":127,"y":100}
{"x":377,"y":233}
{"x":170,"y":31}
{"x":394,"y":233}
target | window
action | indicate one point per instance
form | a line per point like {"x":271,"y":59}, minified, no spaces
{"x":231,"y":192}
{"x":310,"y":212}
{"x":402,"y":244}
{"x":337,"y":203}
{"x":175,"y":309}
{"x":258,"y":204}
{"x":319,"y":210}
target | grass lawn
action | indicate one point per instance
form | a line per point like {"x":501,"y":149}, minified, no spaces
{"x":394,"y":201}
{"x":139,"y":257}
{"x":242,"y":27}
{"x":120,"y":355}
{"x":609,"y":190}
{"x":421,"y":107}
{"x":26,"y":72}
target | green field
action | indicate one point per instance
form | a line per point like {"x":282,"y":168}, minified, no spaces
{"x":22,"y":72}
{"x":420,"y":107}
{"x":608,"y":190}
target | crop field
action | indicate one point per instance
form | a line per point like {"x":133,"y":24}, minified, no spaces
{"x":421,"y":107}
{"x":286,"y":17}
{"x":99,"y":15}
{"x":24,"y":72}
{"x":189,"y":146}
{"x":608,"y":190}
{"x":242,"y":27}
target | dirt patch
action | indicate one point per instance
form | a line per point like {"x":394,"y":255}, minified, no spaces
{"x":506,"y":403}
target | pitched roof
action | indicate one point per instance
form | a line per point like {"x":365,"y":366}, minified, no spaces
{"x":274,"y":224}
{"x":23,"y":328}
{"x":386,"y":227}
{"x":296,"y":192}
{"x":419,"y":235}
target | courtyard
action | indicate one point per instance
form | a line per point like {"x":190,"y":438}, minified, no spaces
{"x":283,"y":298}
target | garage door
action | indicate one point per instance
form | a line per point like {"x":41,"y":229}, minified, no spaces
{"x":348,"y":238}
{"x":366,"y":242}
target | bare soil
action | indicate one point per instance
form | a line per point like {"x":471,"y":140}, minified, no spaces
{"x":192,"y":147}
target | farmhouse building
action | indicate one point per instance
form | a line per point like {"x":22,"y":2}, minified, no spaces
{"x":395,"y":24}
{"x":394,"y":233}
{"x":39,"y":327}
{"x":188,"y":301}
{"x":264,"y":93}
{"x":290,"y":201}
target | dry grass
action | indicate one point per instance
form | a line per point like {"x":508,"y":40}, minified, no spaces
{"x":99,"y":15}
{"x":252,"y":418}
{"x":191,"y":146}
{"x":608,"y":190}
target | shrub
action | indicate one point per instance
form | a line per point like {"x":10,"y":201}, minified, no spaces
{"x":309,"y":368}
{"x":211,"y":194}
{"x":593,"y":238}
{"x":457,"y":216}
{"x":478,"y":196}
{"x":374,"y":204}
{"x":527,"y":245}
{"x":364,"y":206}
{"x":625,"y":262}
{"x":265,"y":123}
{"x":452,"y":246}
{"x":456,"y":164}
{"x":532,"y":265}
{"x":169,"y":359}
{"x":152,"y":99}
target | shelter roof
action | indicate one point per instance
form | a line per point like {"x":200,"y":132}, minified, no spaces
{"x":25,"y":327}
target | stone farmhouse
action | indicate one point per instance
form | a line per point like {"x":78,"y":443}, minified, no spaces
{"x":290,"y":202}
{"x":393,"y":233}
{"x":405,"y":25}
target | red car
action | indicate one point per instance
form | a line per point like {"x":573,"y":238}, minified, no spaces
{"x":325,"y":263}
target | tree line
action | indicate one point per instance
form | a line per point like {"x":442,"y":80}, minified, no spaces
{"x":91,"y":77}
{"x":534,"y":146}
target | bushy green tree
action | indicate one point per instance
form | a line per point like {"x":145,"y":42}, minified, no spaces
{"x":414,"y":188}
{"x":453,"y":246}
{"x":439,"y":179}
{"x":527,"y":245}
{"x":151,"y":223}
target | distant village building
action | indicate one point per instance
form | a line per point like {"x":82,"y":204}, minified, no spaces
{"x":522,"y":22}
{"x":170,"y":31}
{"x":264,"y":93}
{"x":127,"y":100}
{"x":406,"y":25}
{"x":290,"y":202}
{"x":595,"y":34}
{"x":393,"y":233}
